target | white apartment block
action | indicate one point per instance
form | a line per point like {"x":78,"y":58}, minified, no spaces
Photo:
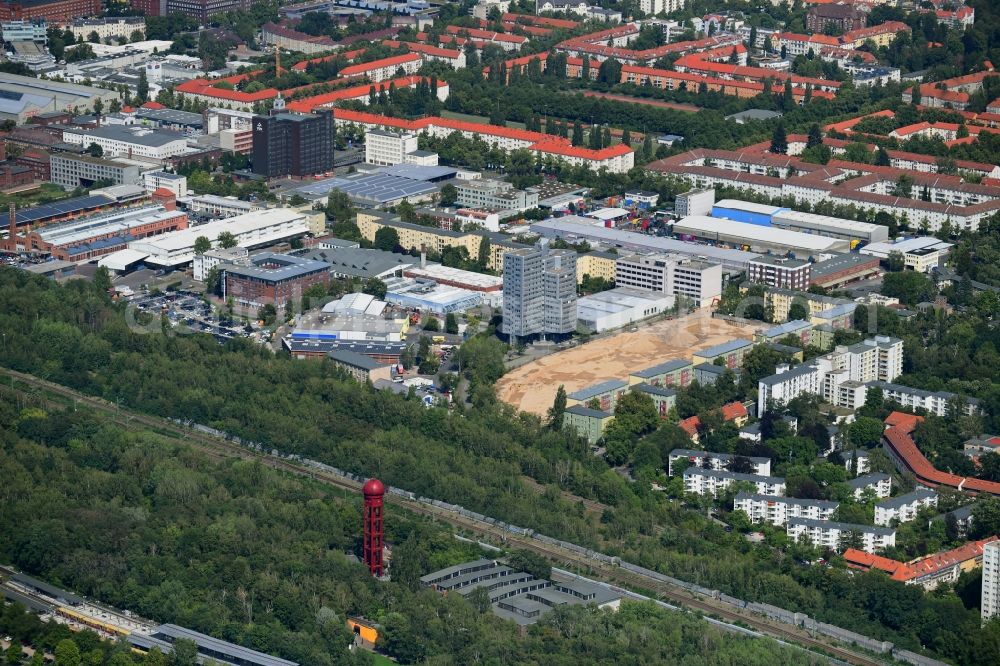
{"x":712,"y":481}
{"x":717,"y":461}
{"x":877,"y":481}
{"x":388,"y":148}
{"x":876,"y":359}
{"x":654,"y":7}
{"x":990,"y":599}
{"x":670,"y":274}
{"x":904,"y":508}
{"x":777,"y":510}
{"x":934,"y":402}
{"x":107,"y":28}
{"x":789,"y":383}
{"x":863,"y":461}
{"x":492,"y":194}
{"x":837,"y":536}
{"x":840,"y":377}
{"x":161,"y":180}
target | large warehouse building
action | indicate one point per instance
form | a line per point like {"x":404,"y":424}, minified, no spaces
{"x":96,"y":236}
{"x":256,"y":229}
{"x":574,"y":228}
{"x":746,"y":211}
{"x":756,"y":237}
{"x":808,"y":223}
{"x":833,"y":227}
{"x":620,"y":307}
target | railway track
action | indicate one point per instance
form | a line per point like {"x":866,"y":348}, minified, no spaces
{"x":220,"y":448}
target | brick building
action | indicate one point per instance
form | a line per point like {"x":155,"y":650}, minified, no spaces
{"x":200,"y":10}
{"x":839,"y":18}
{"x":13,"y":175}
{"x":53,"y":11}
{"x":38,"y":161}
{"x":781,"y":272}
{"x":272,"y":279}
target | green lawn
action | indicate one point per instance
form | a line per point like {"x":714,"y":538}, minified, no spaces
{"x":481,"y":120}
{"x":382,"y":660}
{"x":45,"y":193}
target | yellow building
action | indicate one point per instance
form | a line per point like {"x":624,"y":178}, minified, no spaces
{"x":780,"y":301}
{"x":596,"y":265}
{"x":366,"y":631}
{"x":415,"y":236}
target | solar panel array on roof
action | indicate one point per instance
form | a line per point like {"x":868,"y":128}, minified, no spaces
{"x":421,"y":172}
{"x":377,"y":188}
{"x":57,"y":209}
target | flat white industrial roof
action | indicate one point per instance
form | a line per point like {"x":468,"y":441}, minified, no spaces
{"x":708,"y":227}
{"x":122,"y":259}
{"x":749,"y":206}
{"x":441,"y":272}
{"x":608,"y":213}
{"x":178,"y":240}
{"x":571,"y":226}
{"x":619,"y":299}
{"x":835,"y":223}
{"x":905,"y":245}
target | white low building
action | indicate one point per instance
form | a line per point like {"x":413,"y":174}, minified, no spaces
{"x":863,"y":464}
{"x":130,"y":141}
{"x":205,"y":262}
{"x":904,"y":508}
{"x":218,"y":206}
{"x":619,"y":307}
{"x":880,"y":483}
{"x":840,"y":536}
{"x":161,"y":180}
{"x":921,"y":254}
{"x":778,"y":510}
{"x":176,"y":249}
{"x":761,"y":465}
{"x":702,"y":481}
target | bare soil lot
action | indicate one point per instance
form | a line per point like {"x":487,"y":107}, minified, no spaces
{"x":532,"y":387}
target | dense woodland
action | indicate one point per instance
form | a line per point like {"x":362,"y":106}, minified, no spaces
{"x":253,"y":556}
{"x":476,"y":457}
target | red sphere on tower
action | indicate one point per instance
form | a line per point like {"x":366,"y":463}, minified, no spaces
{"x":374,"y":491}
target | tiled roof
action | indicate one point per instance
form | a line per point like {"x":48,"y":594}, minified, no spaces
{"x":928,"y":566}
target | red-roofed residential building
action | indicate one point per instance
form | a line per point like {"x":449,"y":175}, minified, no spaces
{"x":951,"y":93}
{"x":733,"y":411}
{"x":504,"y":41}
{"x":284,"y":37}
{"x":361,"y":94}
{"x":205,"y":90}
{"x":928,"y":572}
{"x":907,"y":457}
{"x":565,"y":24}
{"x":454,"y":57}
{"x":384,"y":69}
{"x":960,"y":18}
{"x":618,"y":158}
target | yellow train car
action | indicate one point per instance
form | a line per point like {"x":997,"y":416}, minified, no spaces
{"x":92,"y":623}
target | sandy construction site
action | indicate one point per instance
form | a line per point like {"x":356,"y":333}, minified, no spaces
{"x":532,"y":387}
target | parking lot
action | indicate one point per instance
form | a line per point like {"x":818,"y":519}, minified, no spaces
{"x":186,"y":310}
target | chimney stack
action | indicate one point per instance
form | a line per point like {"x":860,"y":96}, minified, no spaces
{"x":13,"y":226}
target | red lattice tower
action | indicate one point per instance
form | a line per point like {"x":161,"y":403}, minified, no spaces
{"x":374,"y":493}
